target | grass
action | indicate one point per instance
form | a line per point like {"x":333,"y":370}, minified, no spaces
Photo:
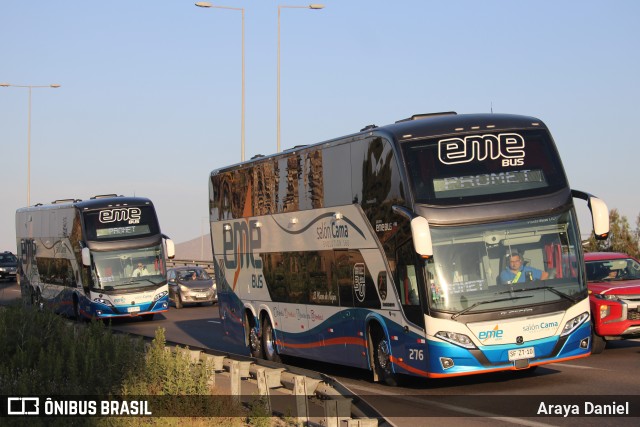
{"x":44,"y":354}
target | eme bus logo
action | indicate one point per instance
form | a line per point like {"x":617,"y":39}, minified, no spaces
{"x":495,"y":333}
{"x":130,"y":215}
{"x":506,"y":146}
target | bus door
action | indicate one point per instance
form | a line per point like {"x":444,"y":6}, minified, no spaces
{"x":408,"y":284}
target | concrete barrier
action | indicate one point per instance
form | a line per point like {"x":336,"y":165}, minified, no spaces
{"x":312,"y":396}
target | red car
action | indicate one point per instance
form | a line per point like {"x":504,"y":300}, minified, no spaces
{"x":614,"y":295}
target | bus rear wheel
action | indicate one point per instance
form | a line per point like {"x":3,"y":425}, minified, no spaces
{"x":269,"y":342}
{"x":252,"y":338}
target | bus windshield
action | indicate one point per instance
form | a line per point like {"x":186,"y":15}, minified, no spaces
{"x":505,"y":265}
{"x":130,"y":268}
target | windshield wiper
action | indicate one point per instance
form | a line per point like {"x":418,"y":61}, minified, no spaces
{"x":547,"y":288}
{"x":472,"y":306}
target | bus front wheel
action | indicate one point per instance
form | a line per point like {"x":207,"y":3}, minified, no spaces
{"x":382,"y":361}
{"x":36,"y":299}
{"x":269,"y":342}
{"x":76,"y":309}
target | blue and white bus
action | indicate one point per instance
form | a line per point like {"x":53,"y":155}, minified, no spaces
{"x":98,"y":258}
{"x":384,"y":249}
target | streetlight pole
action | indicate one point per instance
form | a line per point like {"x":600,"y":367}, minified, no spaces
{"x":311,"y":6}
{"x":30,"y":87}
{"x":242,"y":133}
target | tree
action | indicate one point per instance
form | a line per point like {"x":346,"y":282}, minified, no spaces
{"x":621,"y":237}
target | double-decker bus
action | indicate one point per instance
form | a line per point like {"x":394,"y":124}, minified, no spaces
{"x":392,"y":249}
{"x":99,"y":258}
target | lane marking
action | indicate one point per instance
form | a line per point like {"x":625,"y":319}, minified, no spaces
{"x":463,"y":410}
{"x":568,"y":365}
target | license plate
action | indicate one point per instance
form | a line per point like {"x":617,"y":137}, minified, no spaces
{"x":133,"y":309}
{"x":522,"y":353}
{"x":201,"y":295}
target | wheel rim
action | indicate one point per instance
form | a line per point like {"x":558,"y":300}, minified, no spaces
{"x":269,"y":344}
{"x":254,"y":340}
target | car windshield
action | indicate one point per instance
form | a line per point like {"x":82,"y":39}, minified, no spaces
{"x":195,"y":274}
{"x":8,"y":258}
{"x":129,"y":269}
{"x":504,"y":265}
{"x":613,"y":269}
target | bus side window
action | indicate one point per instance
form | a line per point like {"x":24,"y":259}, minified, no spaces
{"x":344,"y":278}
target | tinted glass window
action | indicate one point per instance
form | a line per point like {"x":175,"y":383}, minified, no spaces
{"x":121,"y":223}
{"x":500,"y":165}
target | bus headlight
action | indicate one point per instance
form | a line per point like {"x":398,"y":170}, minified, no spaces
{"x":574,"y":323}
{"x":160,"y":295}
{"x":458,"y":339}
{"x":103,"y":301}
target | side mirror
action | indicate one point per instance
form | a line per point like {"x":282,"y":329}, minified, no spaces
{"x":599,"y":213}
{"x":86,"y":257}
{"x":171,"y":249}
{"x":421,"y":236}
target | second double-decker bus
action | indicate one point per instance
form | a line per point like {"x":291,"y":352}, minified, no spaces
{"x":441,"y":245}
{"x":98,"y":258}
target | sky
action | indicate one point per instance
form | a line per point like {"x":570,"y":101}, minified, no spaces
{"x":150,"y":96}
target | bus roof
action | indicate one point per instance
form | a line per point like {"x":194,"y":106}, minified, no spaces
{"x":421,"y":126}
{"x":93,"y":203}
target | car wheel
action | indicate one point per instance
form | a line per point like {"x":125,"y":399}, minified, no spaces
{"x":597,"y":343}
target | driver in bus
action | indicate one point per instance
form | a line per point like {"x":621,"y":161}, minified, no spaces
{"x":516,"y":272}
{"x":140,"y":271}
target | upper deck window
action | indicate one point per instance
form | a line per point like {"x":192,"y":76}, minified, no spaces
{"x":483,"y":167}
{"x":120,"y":222}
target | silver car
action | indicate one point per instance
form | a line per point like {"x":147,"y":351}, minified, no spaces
{"x":191,"y":285}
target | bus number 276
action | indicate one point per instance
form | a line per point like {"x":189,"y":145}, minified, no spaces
{"x":257,"y":281}
{"x":416,"y":354}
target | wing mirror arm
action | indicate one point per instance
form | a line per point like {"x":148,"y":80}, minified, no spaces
{"x":420,"y":231}
{"x":599,"y":213}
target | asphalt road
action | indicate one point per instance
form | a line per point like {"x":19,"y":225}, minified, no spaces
{"x":505,"y":398}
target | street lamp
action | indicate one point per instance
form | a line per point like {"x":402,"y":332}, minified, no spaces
{"x":30,"y":87}
{"x":311,"y":6}
{"x":209,"y":5}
